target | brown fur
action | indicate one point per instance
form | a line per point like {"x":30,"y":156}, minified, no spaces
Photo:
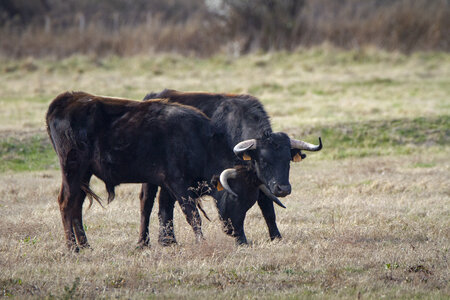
{"x":123,"y":141}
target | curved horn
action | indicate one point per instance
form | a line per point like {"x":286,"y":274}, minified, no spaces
{"x":244,"y":146}
{"x":266,"y":191}
{"x":228,"y":173}
{"x":297,"y":144}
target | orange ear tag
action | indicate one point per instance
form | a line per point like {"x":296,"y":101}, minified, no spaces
{"x":297,"y":158}
{"x":246,"y":157}
{"x":219,"y":186}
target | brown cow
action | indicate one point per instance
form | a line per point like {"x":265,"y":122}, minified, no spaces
{"x":123,"y":141}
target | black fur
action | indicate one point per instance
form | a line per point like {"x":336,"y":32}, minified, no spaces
{"x":123,"y":141}
{"x":238,"y":118}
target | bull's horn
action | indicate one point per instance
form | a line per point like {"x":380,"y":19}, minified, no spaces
{"x":228,"y":173}
{"x":271,"y":196}
{"x":244,"y":146}
{"x":297,"y":144}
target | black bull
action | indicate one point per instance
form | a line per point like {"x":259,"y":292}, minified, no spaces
{"x":247,"y":132}
{"x":123,"y":141}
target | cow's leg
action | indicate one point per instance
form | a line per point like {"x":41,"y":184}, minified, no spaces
{"x":66,"y":215}
{"x":70,"y":201}
{"x":186,"y":199}
{"x":147,"y":197}
{"x":78,"y":214}
{"x":189,"y":209}
{"x":165,"y":214}
{"x":266,"y":206}
{"x":78,"y":220}
{"x":236,"y":223}
{"x":238,"y":231}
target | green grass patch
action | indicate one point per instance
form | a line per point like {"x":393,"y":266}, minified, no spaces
{"x":424,"y":165}
{"x":379,"y":82}
{"x":27,"y":154}
{"x":381,"y":137}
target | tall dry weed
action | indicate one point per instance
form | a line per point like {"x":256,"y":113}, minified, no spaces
{"x":197,"y":28}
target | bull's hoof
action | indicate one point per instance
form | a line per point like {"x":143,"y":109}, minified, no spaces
{"x":167,"y":241}
{"x":73,"y":248}
{"x":241,"y":241}
{"x":85,"y":246}
{"x":276,"y":237}
{"x":141,"y":245}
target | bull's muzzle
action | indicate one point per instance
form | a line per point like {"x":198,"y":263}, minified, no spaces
{"x":281,"y":190}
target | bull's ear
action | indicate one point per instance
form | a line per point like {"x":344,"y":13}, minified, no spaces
{"x":244,"y":149}
{"x":246,"y":155}
{"x":215,"y":181}
{"x":297,"y":155}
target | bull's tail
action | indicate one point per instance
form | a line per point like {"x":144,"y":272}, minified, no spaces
{"x":91,"y":195}
{"x":111,"y":193}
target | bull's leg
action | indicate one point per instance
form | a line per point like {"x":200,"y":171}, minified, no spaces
{"x":238,"y":232}
{"x":67,"y":217}
{"x":78,"y":220}
{"x":234,"y":226}
{"x":266,"y":206}
{"x":78,"y":214}
{"x":147,"y":197}
{"x":186,"y":199}
{"x":189,"y":209}
{"x":165,"y":214}
{"x":227,"y":227}
{"x":70,"y":201}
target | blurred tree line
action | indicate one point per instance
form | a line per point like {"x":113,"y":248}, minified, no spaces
{"x":206,"y":27}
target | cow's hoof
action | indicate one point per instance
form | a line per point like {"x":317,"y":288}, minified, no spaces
{"x":142,"y":245}
{"x":241,"y":241}
{"x":74,"y":248}
{"x":167,"y":241}
{"x":85,"y":246}
{"x":276,"y":237}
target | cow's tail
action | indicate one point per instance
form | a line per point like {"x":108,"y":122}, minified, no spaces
{"x":91,"y":195}
{"x":111,"y":193}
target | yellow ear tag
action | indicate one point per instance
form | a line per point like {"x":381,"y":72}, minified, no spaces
{"x":246,"y":157}
{"x":219,"y":186}
{"x":297,"y":158}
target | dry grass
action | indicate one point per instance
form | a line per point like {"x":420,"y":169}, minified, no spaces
{"x":372,"y":227}
{"x":368,"y":227}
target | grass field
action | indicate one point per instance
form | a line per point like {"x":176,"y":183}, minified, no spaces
{"x":369,"y":216}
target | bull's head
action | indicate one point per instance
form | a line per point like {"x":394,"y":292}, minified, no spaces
{"x":243,"y":180}
{"x":271,"y":156}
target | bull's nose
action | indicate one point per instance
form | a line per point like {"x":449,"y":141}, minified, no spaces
{"x":282,"y":190}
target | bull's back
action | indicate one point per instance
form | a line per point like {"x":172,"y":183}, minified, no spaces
{"x":205,"y":102}
{"x":128,"y":141}
{"x":238,"y":117}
